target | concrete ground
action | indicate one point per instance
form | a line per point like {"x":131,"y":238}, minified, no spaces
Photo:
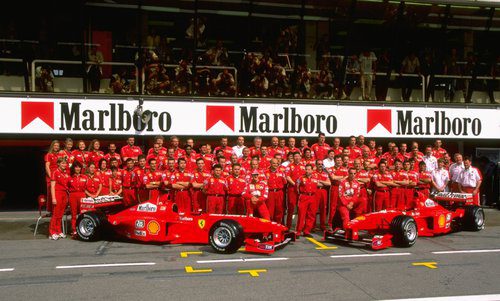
{"x":33,"y":267}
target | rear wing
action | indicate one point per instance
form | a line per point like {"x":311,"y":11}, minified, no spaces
{"x":453,"y":197}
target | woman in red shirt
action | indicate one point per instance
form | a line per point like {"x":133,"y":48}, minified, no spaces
{"x":104,"y":173}
{"x":115,"y":182}
{"x":77,"y":184}
{"x":81,"y":155}
{"x":93,"y":186}
{"x":95,"y":155}
{"x":51,"y":165}
{"x":59,"y":190}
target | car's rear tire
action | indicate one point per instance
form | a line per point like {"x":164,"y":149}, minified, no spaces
{"x":404,"y":230}
{"x":89,"y":226}
{"x":474,"y":218}
{"x":226,"y":236}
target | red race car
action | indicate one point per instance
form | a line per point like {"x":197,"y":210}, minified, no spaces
{"x":160,"y":222}
{"x":448,"y":212}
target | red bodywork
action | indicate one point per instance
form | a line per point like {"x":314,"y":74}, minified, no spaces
{"x":432,"y":218}
{"x":159,"y":222}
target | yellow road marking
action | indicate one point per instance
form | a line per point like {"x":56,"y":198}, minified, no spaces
{"x":186,"y":254}
{"x":189,"y":269}
{"x":320,"y":246}
{"x":430,"y":265}
{"x":253,"y":273}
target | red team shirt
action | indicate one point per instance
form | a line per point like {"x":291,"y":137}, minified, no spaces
{"x":320,"y":151}
{"x":77,"y":183}
{"x":61,"y":178}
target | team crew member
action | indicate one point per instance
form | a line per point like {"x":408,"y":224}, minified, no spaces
{"x":255,"y":149}
{"x":307,"y":187}
{"x":424,"y":180}
{"x":197,"y":195}
{"x":153,"y":180}
{"x":275,"y":148}
{"x":59,"y":192}
{"x":162,"y":150}
{"x":190,"y":158}
{"x":455,"y":170}
{"x":383,"y":181}
{"x":235,"y":186}
{"x":276,"y":181}
{"x":76,"y":186}
{"x":240,"y":145}
{"x":398,"y":192}
{"x":413,"y":177}
{"x":67,"y":152}
{"x":349,"y":200}
{"x":363,"y":177}
{"x":320,"y":149}
{"x":94,"y":185}
{"x":129,"y":184}
{"x":50,"y":166}
{"x":226,"y":150}
{"x":329,"y":161}
{"x":429,"y":159}
{"x":155,"y":154}
{"x":440,"y":178}
{"x":337,"y":149}
{"x":181,"y":181}
{"x":470,"y":180}
{"x":352,"y":150}
{"x":293,"y":171}
{"x":178,"y":152}
{"x":322,"y":192}
{"x":113,"y":154}
{"x":337,"y":174}
{"x":256,"y":194}
{"x":438,"y":151}
{"x":104,"y":173}
{"x":215,"y":188}
{"x":81,"y":155}
{"x":130,"y":150}
{"x":140,"y":172}
{"x":115,"y":182}
{"x":95,"y":154}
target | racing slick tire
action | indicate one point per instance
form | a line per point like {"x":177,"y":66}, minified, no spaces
{"x":473,"y":218}
{"x":404,"y":230}
{"x":89,"y":226}
{"x":226,"y":236}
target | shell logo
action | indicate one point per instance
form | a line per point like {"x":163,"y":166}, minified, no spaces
{"x":441,"y":221}
{"x":153,"y":227}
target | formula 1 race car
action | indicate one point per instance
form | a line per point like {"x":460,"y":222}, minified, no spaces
{"x":448,"y":212}
{"x":157,"y":221}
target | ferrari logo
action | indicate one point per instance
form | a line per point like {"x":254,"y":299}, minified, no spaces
{"x":201,"y":223}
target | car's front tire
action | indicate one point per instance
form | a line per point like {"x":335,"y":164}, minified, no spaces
{"x":404,"y":230}
{"x":89,"y":226}
{"x":226,"y":236}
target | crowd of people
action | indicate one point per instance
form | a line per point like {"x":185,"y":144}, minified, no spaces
{"x":268,"y":181}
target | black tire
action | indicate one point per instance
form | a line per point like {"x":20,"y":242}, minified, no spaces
{"x":474,"y":218}
{"x":89,"y":226}
{"x":404,"y":230}
{"x":226,"y":236}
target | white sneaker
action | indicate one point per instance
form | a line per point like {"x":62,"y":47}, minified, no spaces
{"x":54,"y":237}
{"x":62,"y":235}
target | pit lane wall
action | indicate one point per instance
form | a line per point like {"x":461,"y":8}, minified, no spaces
{"x":60,"y":115}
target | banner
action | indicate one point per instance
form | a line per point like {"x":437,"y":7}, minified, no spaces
{"x":191,"y":118}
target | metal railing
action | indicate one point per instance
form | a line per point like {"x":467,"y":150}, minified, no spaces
{"x":63,"y":62}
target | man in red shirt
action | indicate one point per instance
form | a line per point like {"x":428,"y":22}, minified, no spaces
{"x":190,"y":158}
{"x":383,"y":182}
{"x":307,"y":187}
{"x":178,"y":152}
{"x":245,"y":159}
{"x":235,"y":186}
{"x":256,"y":194}
{"x":153,"y":180}
{"x":349,"y":201}
{"x":140,"y":172}
{"x":293,"y":171}
{"x":417,"y":158}
{"x":291,"y":148}
{"x":156,"y":154}
{"x":353,"y":151}
{"x":215,"y":188}
{"x":162,"y":150}
{"x":322,"y":192}
{"x":363,"y":177}
{"x":392,"y":156}
{"x":412,"y":184}
{"x":403,"y":150}
{"x":226,"y":150}
{"x":304,"y":144}
{"x":129,"y":184}
{"x":337,"y":174}
{"x":437,"y":150}
{"x":336,"y":146}
{"x":130,"y":150}
{"x":424,"y":180}
{"x":199,"y":177}
{"x":255,"y":149}
{"x":265,"y":158}
{"x":307,"y":157}
{"x":275,"y":148}
{"x":276,"y":181}
{"x":113,"y":154}
{"x":180,"y":182}
{"x":398,"y":193}
{"x":207,"y":157}
{"x":320,"y":148}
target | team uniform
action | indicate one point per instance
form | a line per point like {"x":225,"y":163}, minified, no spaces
{"x":322,"y":198}
{"x":129,"y":185}
{"x":340,"y":171}
{"x":307,"y":188}
{"x":469,"y":179}
{"x":76,"y":187}
{"x":227,"y":151}
{"x":276,"y":181}
{"x":398,"y":194}
{"x":182,"y":197}
{"x":349,"y":192}
{"x":424,"y":188}
{"x":216,"y":190}
{"x":320,"y":151}
{"x":61,"y":179}
{"x":455,"y":171}
{"x":382,"y":197}
{"x":260,"y":191}
{"x":235,"y":187}
{"x":199,"y":198}
{"x":130,"y":152}
{"x":294,"y":171}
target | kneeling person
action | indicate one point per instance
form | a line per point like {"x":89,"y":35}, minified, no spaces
{"x":349,"y":198}
{"x":256,"y":194}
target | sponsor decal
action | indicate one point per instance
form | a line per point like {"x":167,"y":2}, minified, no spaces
{"x":187,"y":219}
{"x":441,"y":221}
{"x":201,"y":223}
{"x":147,"y":207}
{"x":375,"y":117}
{"x":429,"y":203}
{"x":215,"y":114}
{"x":30,"y":110}
{"x":438,"y":125}
{"x":153,"y":227}
{"x":140,"y":233}
{"x":140,"y":223}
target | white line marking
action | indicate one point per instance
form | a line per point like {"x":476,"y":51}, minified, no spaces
{"x":467,"y":251}
{"x":370,"y":255}
{"x":104,"y":265}
{"x":241,"y":260}
{"x":7,"y":270}
{"x":453,"y":298}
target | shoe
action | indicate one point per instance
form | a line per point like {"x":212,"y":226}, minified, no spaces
{"x":62,"y":235}
{"x":54,"y":237}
